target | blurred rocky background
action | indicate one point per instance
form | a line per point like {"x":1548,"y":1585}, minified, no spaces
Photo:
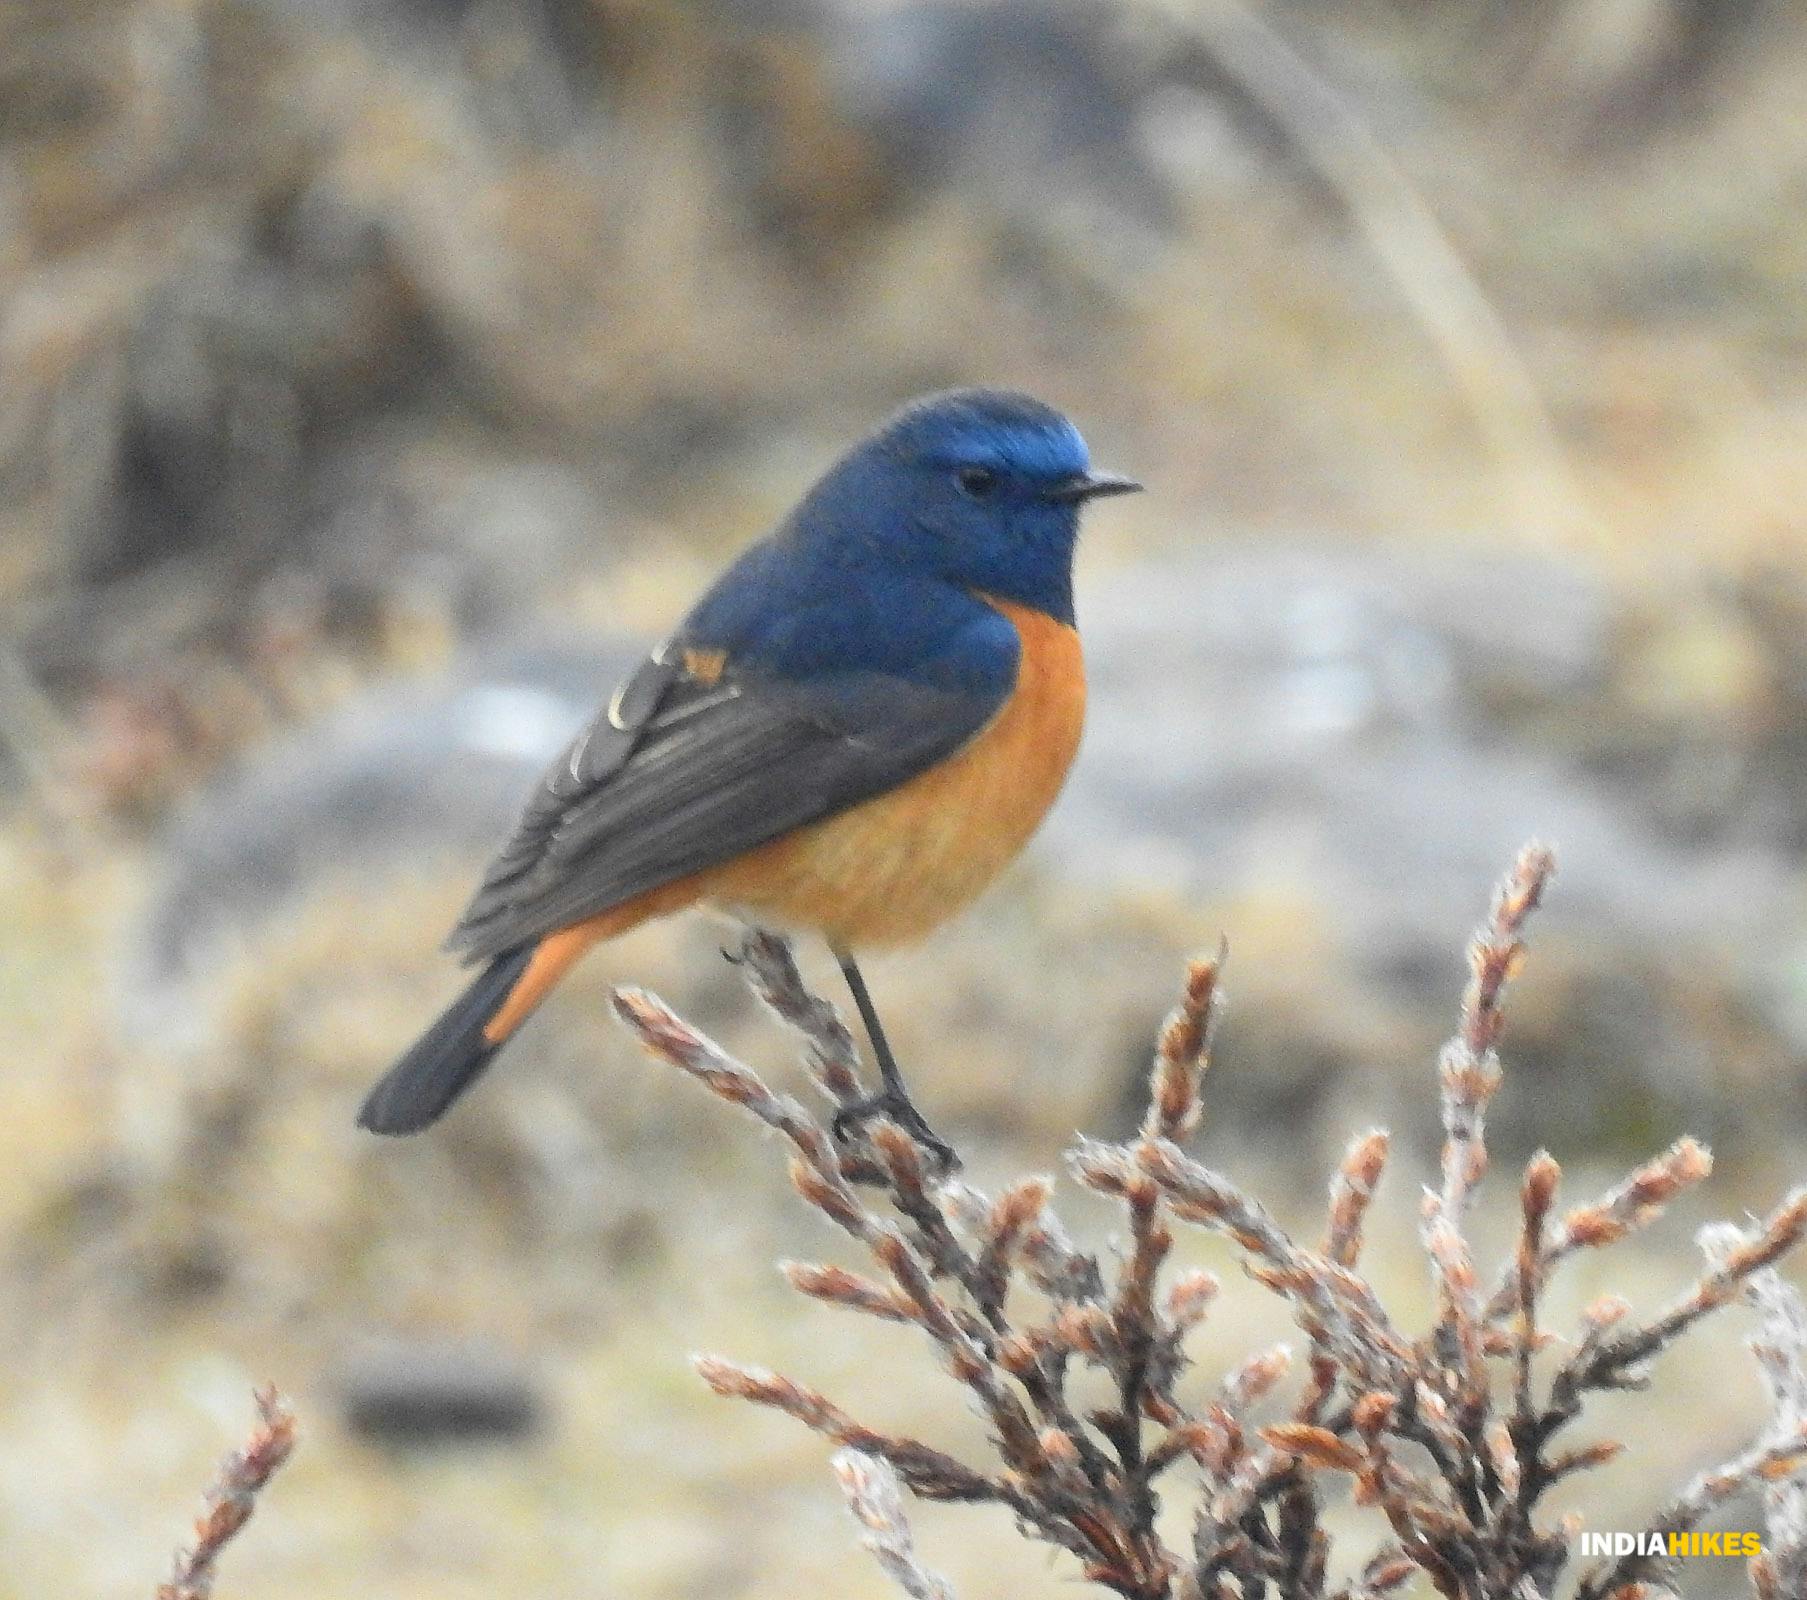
{"x":377,"y":376}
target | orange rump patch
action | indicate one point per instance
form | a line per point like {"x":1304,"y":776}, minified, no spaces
{"x":557,"y":953}
{"x":706,"y":666}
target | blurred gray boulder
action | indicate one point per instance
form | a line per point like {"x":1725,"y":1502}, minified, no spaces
{"x":425,"y":1394}
{"x":1386,"y":729}
{"x":400,"y":778}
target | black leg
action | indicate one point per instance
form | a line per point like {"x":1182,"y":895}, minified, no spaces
{"x":875,"y":1031}
{"x":893,"y":1100}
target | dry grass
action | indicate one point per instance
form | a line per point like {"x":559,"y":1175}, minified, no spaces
{"x":1454,"y":1438}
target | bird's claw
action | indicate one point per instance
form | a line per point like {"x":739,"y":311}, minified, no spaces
{"x":899,"y":1109}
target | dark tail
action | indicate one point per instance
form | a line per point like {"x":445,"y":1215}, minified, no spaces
{"x":447,"y":1059}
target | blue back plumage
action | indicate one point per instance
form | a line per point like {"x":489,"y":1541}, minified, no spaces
{"x":878,"y":567}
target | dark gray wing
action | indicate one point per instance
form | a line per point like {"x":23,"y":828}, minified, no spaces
{"x":678,"y":775}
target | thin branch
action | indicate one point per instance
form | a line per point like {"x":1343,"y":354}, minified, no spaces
{"x":873,"y":1497}
{"x":232,"y":1497}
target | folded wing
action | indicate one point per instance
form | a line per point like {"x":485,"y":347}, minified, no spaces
{"x":681,"y":773}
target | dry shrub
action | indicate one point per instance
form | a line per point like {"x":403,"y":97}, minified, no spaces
{"x":1455,"y":1437}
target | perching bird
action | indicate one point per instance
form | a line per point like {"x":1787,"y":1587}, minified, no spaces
{"x":852,"y":733}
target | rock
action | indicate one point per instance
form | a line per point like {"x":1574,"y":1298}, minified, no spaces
{"x":1356,"y":743}
{"x":399,"y":778}
{"x":421,"y":1395}
{"x":1379,"y":727}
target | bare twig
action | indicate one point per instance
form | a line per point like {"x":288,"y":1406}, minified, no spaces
{"x":1780,"y":1346}
{"x":1760,"y":1464}
{"x":872,"y":1496}
{"x":1470,"y":1067}
{"x":232,"y":1497}
{"x":1183,"y":1053}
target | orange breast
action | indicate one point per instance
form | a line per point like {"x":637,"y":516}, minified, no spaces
{"x":890,"y":869}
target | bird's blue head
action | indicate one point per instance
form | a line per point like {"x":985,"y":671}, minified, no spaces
{"x":978,"y":487}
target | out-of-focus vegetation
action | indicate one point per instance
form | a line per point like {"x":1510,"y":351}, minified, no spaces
{"x":1081,"y":1370}
{"x":375,"y":375}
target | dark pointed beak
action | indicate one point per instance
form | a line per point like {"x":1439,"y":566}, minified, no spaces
{"x":1095,"y":486}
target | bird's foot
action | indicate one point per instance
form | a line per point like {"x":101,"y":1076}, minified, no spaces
{"x":898,"y":1108}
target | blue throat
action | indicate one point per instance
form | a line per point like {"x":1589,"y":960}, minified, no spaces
{"x":1044,"y":585}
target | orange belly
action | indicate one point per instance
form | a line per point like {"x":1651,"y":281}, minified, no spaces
{"x":890,"y":869}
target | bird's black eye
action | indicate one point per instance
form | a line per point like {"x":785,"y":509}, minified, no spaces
{"x":978,"y":481}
